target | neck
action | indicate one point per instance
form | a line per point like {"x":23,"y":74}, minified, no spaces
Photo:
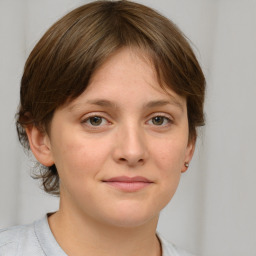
{"x":82,"y":235}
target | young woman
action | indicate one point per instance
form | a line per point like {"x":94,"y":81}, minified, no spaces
{"x":110,"y":100}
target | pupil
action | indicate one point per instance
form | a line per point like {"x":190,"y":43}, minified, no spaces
{"x":158,"y":120}
{"x":95,"y":120}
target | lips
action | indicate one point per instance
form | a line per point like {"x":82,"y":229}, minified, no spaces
{"x":128,"y":184}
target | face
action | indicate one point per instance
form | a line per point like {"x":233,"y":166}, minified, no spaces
{"x":120,"y":147}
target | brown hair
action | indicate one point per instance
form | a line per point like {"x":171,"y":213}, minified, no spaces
{"x":60,"y":66}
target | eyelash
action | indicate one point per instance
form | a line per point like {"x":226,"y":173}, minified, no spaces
{"x":166,"y":118}
{"x":87,"y":119}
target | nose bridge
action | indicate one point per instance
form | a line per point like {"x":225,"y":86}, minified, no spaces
{"x":131,"y":144}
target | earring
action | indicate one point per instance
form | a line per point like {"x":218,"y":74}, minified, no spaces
{"x":186,"y":164}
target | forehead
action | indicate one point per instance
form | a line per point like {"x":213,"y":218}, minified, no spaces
{"x":126,"y":59}
{"x":127,"y":76}
{"x":128,"y":66}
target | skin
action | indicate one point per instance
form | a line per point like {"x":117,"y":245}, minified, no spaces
{"x":124,"y":124}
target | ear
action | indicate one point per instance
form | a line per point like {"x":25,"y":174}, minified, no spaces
{"x":189,"y":154}
{"x":40,"y":145}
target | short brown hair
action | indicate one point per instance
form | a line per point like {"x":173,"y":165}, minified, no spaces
{"x":60,"y":66}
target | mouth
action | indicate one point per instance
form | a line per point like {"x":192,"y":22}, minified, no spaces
{"x":128,"y":184}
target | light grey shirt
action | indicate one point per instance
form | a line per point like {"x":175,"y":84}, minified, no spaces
{"x":37,"y":240}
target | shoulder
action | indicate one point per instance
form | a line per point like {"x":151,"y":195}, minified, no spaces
{"x":9,"y":240}
{"x":169,"y":249}
{"x":19,"y":240}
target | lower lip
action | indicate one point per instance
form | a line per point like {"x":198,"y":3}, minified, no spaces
{"x":128,"y":186}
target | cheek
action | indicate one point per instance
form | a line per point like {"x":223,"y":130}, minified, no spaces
{"x":169,"y":156}
{"x":78,"y":157}
{"x":168,"y":159}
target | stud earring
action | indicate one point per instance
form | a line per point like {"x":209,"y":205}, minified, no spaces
{"x":186,"y":164}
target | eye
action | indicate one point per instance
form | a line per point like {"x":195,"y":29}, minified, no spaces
{"x":159,"y":120}
{"x":95,"y":121}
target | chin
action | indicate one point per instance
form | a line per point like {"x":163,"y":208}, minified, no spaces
{"x":131,"y":218}
{"x":131,"y":222}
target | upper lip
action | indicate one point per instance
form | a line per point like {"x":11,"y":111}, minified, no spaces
{"x":128,"y":179}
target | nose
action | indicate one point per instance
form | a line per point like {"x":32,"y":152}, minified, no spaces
{"x":131,"y":146}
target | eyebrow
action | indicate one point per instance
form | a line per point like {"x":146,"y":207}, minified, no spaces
{"x":102,"y":103}
{"x":97,"y":102}
{"x":160,"y":103}
{"x":148,"y":105}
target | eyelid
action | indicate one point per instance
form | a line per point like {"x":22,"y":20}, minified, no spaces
{"x":162,"y":114}
{"x":103,"y":115}
{"x":169,"y":118}
{"x":86,"y":117}
{"x":92,"y":114}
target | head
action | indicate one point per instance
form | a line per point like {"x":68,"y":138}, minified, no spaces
{"x":63,"y":63}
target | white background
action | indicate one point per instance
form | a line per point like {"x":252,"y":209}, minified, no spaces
{"x":214,"y":210}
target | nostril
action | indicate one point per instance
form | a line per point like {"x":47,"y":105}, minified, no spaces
{"x":122,"y":159}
